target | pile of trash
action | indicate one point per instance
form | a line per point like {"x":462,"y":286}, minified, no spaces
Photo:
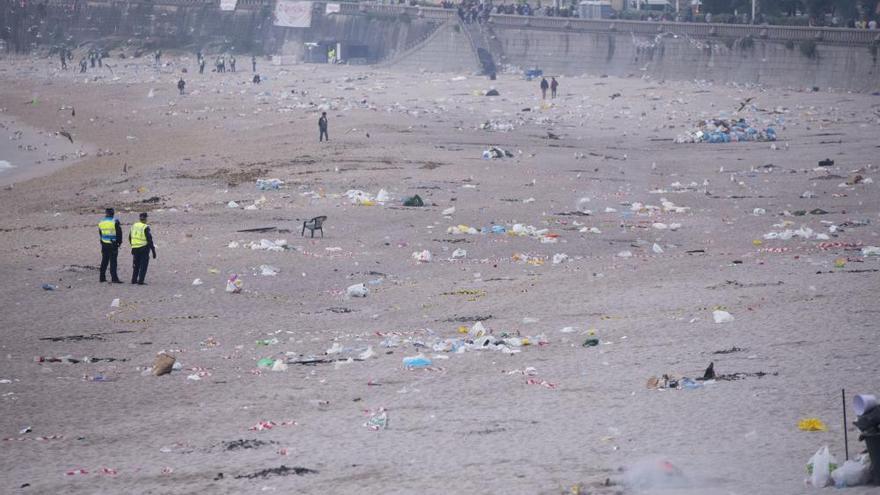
{"x":262,"y":245}
{"x":495,"y":152}
{"x":475,"y":338}
{"x":497,"y":125}
{"x":723,"y":131}
{"x":823,"y":468}
{"x":517,"y":229}
{"x":358,"y":197}
{"x":269,"y":184}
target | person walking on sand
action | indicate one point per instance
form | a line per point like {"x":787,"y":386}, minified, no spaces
{"x":180,"y":85}
{"x":111,"y":238}
{"x":253,"y":63}
{"x":141,"y":240}
{"x":202,"y":66}
{"x":544,"y":86}
{"x":63,"y":59}
{"x":553,"y":86}
{"x":322,"y":127}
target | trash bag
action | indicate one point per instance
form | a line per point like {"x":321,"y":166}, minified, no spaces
{"x":853,"y":472}
{"x":820,"y":467}
{"x":722,"y":316}
{"x":357,"y":290}
{"x":422,"y":256}
{"x":414,"y":201}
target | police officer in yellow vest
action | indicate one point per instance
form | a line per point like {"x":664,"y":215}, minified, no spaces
{"x":141,"y":244}
{"x":111,"y":239}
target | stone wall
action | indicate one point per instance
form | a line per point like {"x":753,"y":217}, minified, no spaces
{"x":800,"y":58}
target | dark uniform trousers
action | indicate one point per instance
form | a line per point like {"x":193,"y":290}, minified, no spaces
{"x":109,"y":252}
{"x":141,"y":259}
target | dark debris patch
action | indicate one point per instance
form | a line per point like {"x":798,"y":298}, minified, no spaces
{"x":279,"y":471}
{"x":741,"y":376}
{"x":729,"y":351}
{"x":340,"y":310}
{"x":466,"y":319}
{"x":246,"y":443}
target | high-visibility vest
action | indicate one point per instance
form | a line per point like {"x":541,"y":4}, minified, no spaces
{"x":107,"y":227}
{"x":139,"y":235}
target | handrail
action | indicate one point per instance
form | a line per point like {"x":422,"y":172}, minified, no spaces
{"x":393,"y":57}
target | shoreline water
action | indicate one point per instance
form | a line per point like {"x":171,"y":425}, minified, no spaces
{"x":30,"y":152}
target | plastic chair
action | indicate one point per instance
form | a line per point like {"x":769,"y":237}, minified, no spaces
{"x":313,"y":225}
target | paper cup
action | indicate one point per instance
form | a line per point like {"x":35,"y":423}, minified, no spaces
{"x":864,"y":403}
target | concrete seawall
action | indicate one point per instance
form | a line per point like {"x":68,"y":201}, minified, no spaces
{"x":415,"y":38}
{"x":801,"y":59}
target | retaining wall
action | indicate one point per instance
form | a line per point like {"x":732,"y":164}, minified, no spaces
{"x":799,"y":57}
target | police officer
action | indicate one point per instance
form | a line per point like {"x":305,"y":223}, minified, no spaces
{"x":141,"y":241}
{"x":111,"y":239}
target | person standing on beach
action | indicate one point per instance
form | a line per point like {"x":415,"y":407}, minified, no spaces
{"x":232,"y":63}
{"x":544,"y":86}
{"x":322,"y":127}
{"x":553,"y":86}
{"x":180,"y":85}
{"x":141,"y":240}
{"x":202,"y":66}
{"x":63,"y":59}
{"x":253,"y":63}
{"x":111,"y":239}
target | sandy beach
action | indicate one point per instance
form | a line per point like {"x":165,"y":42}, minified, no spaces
{"x":623,"y":235}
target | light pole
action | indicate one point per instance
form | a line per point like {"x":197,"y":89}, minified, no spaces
{"x":754,"y":4}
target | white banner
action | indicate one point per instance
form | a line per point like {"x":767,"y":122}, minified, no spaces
{"x":228,"y":5}
{"x":332,"y":8}
{"x":291,"y":13}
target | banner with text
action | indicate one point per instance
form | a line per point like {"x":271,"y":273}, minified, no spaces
{"x":292,"y":13}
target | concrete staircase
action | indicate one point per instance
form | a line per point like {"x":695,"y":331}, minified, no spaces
{"x":447,"y":49}
{"x":484,"y":44}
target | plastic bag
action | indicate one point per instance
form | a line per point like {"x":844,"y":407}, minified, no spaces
{"x":820,"y":466}
{"x":422,"y":256}
{"x":357,"y":290}
{"x":853,"y":473}
{"x":234,"y":284}
{"x":722,"y":316}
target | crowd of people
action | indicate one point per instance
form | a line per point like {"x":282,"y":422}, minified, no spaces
{"x":471,"y":11}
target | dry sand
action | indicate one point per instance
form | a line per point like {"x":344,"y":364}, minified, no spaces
{"x":471,"y":423}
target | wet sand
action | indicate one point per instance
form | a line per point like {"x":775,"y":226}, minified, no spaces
{"x":540,"y":420}
{"x":27,"y":152}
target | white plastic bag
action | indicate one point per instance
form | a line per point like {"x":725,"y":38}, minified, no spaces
{"x":853,"y":472}
{"x":820,"y":467}
{"x":357,"y":290}
{"x":422,"y":256}
{"x":722,"y":316}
